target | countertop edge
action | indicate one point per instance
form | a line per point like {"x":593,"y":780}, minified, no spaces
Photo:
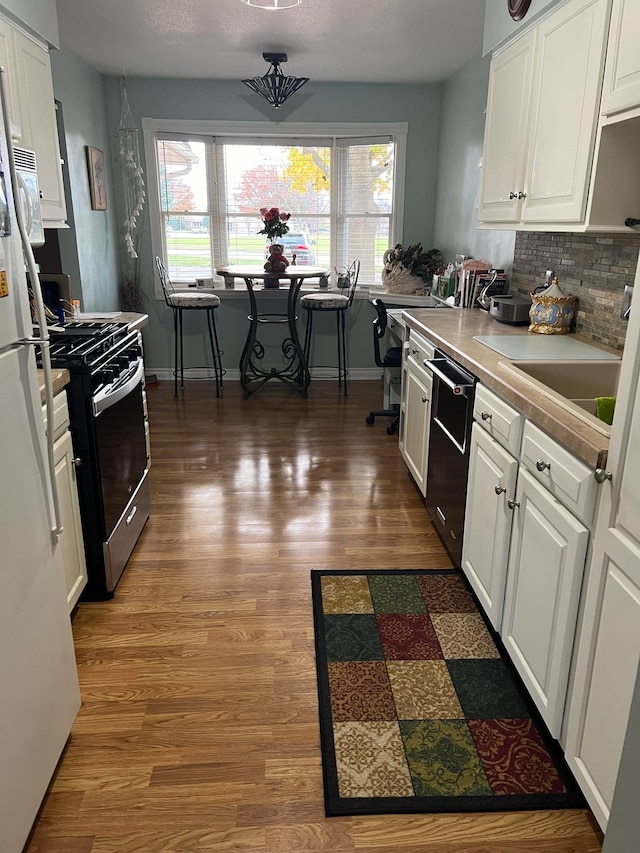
{"x":60,"y":378}
{"x":455,"y":336}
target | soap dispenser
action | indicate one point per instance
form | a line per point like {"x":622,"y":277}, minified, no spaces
{"x":551,"y":311}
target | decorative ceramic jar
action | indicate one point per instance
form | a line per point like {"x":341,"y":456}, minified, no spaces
{"x":551,"y":312}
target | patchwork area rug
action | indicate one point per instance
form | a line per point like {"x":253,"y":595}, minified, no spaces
{"x":419,"y":711}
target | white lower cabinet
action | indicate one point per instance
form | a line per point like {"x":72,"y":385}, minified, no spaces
{"x":75,"y":569}
{"x":415,"y":408}
{"x":71,"y":541}
{"x":487,"y":527}
{"x":608,"y":644}
{"x":544,"y":578}
{"x":529,"y":504}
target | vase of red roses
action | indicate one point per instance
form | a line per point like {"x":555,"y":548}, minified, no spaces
{"x":274,"y":227}
{"x":274,"y":223}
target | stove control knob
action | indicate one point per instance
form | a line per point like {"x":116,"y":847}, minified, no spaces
{"x":105,"y":376}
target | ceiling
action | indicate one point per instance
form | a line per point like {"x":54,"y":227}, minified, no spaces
{"x":376,"y":41}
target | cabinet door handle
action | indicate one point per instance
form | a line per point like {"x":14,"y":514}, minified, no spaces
{"x":601,"y":475}
{"x":499,"y":489}
{"x":77,"y":461}
{"x":425,"y":399}
{"x":486,"y":416}
{"x":415,"y":351}
{"x":522,"y":195}
{"x":541,"y":465}
{"x":512,"y":196}
{"x":512,"y":504}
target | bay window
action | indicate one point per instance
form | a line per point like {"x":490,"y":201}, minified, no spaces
{"x":342,"y":185}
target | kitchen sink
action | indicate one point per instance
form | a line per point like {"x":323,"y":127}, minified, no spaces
{"x":574,"y":385}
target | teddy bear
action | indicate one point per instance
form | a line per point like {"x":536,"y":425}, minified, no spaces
{"x":276,"y":263}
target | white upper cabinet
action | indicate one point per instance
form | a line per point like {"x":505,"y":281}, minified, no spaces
{"x":538,"y":150}
{"x":10,"y":80}
{"x":564,"y":105}
{"x":621,"y":90}
{"x":506,"y":133}
{"x":32,"y":115}
{"x":39,"y":125}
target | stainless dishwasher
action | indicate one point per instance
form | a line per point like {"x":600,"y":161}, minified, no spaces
{"x":451,"y":421}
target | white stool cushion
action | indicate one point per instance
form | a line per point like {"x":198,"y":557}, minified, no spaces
{"x":324,"y":300}
{"x":194,"y":300}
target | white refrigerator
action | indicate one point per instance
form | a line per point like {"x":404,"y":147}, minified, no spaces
{"x":39,"y":693}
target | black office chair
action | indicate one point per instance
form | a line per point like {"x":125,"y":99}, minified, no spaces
{"x":180,"y":301}
{"x":392,"y":358}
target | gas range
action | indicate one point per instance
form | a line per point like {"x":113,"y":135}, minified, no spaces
{"x":82,"y":345}
{"x":106,"y":402}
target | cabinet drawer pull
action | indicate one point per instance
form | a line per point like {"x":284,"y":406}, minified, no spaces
{"x":541,"y":465}
{"x":522,"y":195}
{"x":486,"y":416}
{"x":512,"y":504}
{"x":601,"y":475}
{"x":499,"y":489}
{"x":512,"y":196}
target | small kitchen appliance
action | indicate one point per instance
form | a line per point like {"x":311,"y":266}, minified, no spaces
{"x":512,"y":309}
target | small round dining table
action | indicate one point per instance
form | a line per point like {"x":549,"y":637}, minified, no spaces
{"x":294,"y":372}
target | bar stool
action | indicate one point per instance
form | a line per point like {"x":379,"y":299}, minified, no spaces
{"x":338,"y":303}
{"x":180,"y":301}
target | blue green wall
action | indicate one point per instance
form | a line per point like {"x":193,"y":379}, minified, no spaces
{"x":89,"y":248}
{"x":419,"y":105}
{"x":462,"y":120}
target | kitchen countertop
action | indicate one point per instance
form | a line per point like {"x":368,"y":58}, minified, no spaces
{"x":453,"y":332}
{"x":60,"y":381}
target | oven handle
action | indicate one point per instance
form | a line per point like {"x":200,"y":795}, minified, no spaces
{"x":112,"y":394}
{"x":458,"y":388}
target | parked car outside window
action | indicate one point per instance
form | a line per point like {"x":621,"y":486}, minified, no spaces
{"x":296,"y":242}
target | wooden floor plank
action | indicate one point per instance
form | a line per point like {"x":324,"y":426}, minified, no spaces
{"x":199,"y":724}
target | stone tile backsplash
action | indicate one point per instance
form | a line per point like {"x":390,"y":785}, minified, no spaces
{"x":592,"y":267}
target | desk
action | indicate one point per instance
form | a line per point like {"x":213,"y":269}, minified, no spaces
{"x":295,"y":372}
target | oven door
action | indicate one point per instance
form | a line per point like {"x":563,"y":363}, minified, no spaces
{"x":448,"y":465}
{"x":119,"y":427}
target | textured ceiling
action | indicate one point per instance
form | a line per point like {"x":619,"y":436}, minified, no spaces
{"x":392,"y":41}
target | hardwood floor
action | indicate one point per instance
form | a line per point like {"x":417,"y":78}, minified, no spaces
{"x":199,"y":729}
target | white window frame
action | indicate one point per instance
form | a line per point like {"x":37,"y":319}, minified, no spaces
{"x":291,"y":132}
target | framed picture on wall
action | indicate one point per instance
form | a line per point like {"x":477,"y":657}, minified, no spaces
{"x":97,"y":183}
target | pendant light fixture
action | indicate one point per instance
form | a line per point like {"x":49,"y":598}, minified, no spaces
{"x":274,"y":87}
{"x":272,"y":4}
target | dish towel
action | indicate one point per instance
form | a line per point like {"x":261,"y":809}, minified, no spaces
{"x":605,"y":407}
